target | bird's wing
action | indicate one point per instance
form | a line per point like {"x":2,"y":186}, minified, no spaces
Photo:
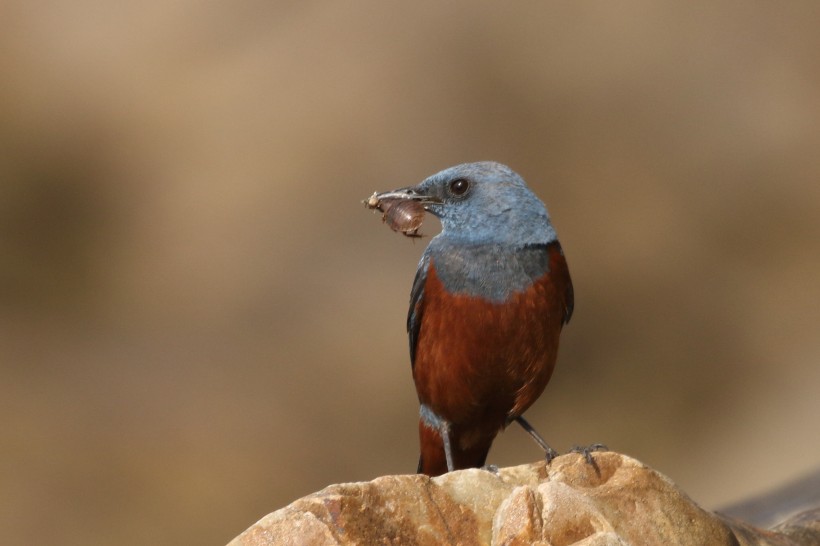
{"x":570,"y":303}
{"x":416,"y":307}
{"x":569,"y":294}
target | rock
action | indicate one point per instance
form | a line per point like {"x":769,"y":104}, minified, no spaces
{"x":616,"y":502}
{"x":775,"y":505}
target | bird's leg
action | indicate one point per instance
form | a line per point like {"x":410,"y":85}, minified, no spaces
{"x":444,"y":430}
{"x":549,"y":453}
{"x":443,"y":427}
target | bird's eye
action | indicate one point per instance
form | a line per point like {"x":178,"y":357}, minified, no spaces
{"x":459,"y":186}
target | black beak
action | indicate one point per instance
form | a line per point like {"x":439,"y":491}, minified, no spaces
{"x":374,"y":201}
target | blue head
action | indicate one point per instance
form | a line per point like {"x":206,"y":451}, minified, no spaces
{"x":483,"y":202}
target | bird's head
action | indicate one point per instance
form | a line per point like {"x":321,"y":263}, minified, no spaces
{"x":484,"y":202}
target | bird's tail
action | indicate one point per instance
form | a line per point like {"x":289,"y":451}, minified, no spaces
{"x":432,"y":460}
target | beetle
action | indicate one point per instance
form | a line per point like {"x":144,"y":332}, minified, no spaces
{"x":402,"y":215}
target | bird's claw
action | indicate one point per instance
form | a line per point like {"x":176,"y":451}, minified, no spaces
{"x":491,"y":468}
{"x":587,"y":451}
{"x":550,"y":454}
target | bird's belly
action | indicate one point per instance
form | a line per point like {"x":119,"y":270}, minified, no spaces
{"x":479,"y":361}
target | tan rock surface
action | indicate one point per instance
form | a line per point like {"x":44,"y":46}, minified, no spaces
{"x":616,"y":502}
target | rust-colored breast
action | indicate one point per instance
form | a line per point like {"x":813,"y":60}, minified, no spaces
{"x":479,"y":363}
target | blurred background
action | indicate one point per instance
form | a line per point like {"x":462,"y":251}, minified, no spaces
{"x":200,"y":322}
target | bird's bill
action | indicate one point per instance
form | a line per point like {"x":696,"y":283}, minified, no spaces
{"x":406,"y":193}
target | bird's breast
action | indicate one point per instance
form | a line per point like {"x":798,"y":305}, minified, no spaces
{"x":487,"y":343}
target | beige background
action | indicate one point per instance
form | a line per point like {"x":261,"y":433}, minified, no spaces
{"x":199,"y":322}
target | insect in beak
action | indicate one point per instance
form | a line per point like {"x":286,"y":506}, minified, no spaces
{"x":402,"y":210}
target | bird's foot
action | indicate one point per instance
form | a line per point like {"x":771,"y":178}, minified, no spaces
{"x":491,"y":468}
{"x":550,"y":454}
{"x":587,"y":452}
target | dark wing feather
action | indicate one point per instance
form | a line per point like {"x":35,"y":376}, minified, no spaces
{"x":570,"y":303}
{"x":415,"y":311}
{"x":569,"y":294}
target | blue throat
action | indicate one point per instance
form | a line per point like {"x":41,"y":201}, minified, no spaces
{"x":491,"y":271}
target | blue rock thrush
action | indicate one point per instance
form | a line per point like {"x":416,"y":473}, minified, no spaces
{"x":491,"y":295}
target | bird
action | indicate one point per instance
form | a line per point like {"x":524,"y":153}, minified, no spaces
{"x":491,"y":295}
